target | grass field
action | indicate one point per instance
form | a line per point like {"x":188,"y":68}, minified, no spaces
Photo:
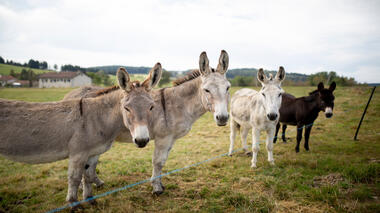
{"x":336,"y":175}
{"x":5,"y":69}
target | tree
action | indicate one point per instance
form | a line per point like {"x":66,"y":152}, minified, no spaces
{"x":24,"y":75}
{"x":165,"y":78}
{"x":12,"y":73}
{"x":55,"y":67}
{"x":31,"y":77}
{"x":2,"y":60}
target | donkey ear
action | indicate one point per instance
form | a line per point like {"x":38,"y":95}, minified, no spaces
{"x":153,"y":78}
{"x":332,"y":86}
{"x":223,"y":62}
{"x":261,"y":76}
{"x":123,"y":79}
{"x":320,"y":86}
{"x":280,"y":76}
{"x":204,"y":64}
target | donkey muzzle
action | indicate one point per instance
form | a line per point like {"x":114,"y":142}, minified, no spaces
{"x":328,"y":112}
{"x":221,"y":120}
{"x":141,"y":136}
{"x":272,"y":116}
{"x":141,"y":142}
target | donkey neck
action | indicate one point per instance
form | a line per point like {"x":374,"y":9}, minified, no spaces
{"x":104,"y":112}
{"x":312,"y":103}
{"x":190,"y":95}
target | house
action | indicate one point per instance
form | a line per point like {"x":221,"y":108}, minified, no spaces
{"x":6,"y":80}
{"x":63,"y":79}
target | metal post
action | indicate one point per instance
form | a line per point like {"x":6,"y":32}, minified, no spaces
{"x":365,"y":110}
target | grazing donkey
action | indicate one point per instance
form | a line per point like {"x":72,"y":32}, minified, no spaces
{"x":177,"y":108}
{"x":259,"y":111}
{"x":304,"y":110}
{"x":78,"y":129}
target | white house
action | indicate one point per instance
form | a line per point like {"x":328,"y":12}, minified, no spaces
{"x":63,"y":79}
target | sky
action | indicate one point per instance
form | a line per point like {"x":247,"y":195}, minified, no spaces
{"x":303,"y":36}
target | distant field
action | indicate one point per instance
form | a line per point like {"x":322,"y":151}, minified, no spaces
{"x":336,"y":175}
{"x":134,"y":77}
{"x":5,"y":69}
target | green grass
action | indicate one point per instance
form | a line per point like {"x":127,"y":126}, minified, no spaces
{"x":5,"y":69}
{"x":297,"y":183}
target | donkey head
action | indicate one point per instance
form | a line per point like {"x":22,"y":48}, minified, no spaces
{"x":215,"y":86}
{"x":327,"y":98}
{"x":271,"y":92}
{"x":137,"y":103}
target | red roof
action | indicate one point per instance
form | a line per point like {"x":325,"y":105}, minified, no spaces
{"x":7,"y":78}
{"x":68,"y":75}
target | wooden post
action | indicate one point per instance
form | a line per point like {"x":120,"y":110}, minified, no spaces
{"x":365,"y":110}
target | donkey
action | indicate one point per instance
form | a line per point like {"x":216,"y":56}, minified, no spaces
{"x":177,"y":108}
{"x":78,"y":129}
{"x":259,"y":111}
{"x":303,"y":111}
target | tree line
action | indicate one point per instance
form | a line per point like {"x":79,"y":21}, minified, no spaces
{"x":35,"y":64}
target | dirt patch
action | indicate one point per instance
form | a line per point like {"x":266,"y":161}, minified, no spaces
{"x":374,"y":160}
{"x":330,"y":179}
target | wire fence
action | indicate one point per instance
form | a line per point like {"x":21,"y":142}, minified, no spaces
{"x":150,"y":179}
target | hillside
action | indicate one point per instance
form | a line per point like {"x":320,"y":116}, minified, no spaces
{"x":230,"y":74}
{"x":113,"y":68}
{"x":5,"y":69}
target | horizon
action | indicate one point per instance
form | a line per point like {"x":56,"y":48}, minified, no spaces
{"x":344,"y":37}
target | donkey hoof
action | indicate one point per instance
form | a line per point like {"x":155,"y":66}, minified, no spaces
{"x":230,"y":154}
{"x":249,"y":154}
{"x":99,"y":185}
{"x":271,"y":163}
{"x":157,"y":193}
{"x":91,"y":200}
{"x":307,"y":148}
{"x":297,"y":150}
{"x":76,"y":208}
{"x":253,"y":166}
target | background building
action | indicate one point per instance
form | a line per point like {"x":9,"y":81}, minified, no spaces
{"x":63,"y":79}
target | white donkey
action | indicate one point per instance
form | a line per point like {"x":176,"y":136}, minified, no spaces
{"x":259,"y":111}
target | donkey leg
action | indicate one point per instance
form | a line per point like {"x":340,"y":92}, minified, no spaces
{"x":255,"y":146}
{"x":75,"y":171}
{"x":88,"y":178}
{"x":283,"y":132}
{"x":277,"y":128}
{"x":233,"y":130}
{"x":269,"y":145}
{"x":160,"y":155}
{"x":244,"y":134}
{"x":307,"y":135}
{"x":91,"y":171}
{"x":299,"y":137}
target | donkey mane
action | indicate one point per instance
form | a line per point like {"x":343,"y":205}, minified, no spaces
{"x":107,"y":90}
{"x":188,"y":77}
{"x":312,"y":96}
{"x":110,"y":89}
{"x":313,"y":92}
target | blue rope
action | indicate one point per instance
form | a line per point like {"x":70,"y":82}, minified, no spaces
{"x":147,"y":180}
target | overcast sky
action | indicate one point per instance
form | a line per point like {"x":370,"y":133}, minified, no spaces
{"x":303,"y":36}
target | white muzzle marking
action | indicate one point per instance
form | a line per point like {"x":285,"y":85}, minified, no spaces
{"x":141,"y":132}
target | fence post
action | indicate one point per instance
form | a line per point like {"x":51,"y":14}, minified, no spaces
{"x":365,"y":110}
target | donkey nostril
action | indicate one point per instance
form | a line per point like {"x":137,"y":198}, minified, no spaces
{"x":272,"y":116}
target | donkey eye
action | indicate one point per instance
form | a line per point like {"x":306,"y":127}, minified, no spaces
{"x":151,"y":108}
{"x":126,"y":108}
{"x":279,"y":95}
{"x":206,"y":90}
{"x":263,"y":94}
{"x":228,"y":88}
